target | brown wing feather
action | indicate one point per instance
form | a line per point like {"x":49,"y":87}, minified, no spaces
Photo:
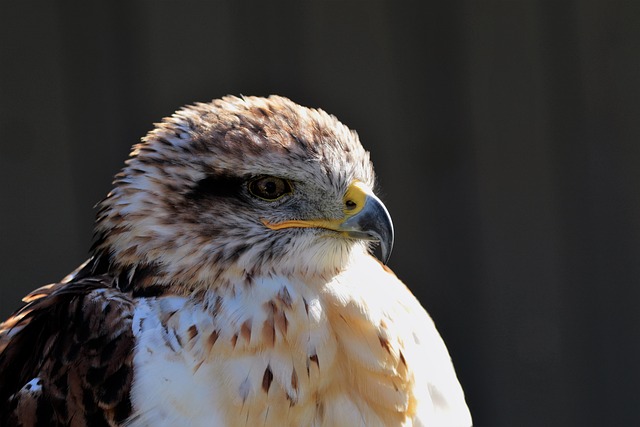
{"x":66,"y":356}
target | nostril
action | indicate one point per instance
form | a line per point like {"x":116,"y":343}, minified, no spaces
{"x":350,"y":204}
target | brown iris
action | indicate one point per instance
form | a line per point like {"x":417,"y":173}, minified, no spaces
{"x":269,"y":188}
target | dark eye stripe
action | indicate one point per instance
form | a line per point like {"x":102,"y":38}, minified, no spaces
{"x":217,"y":186}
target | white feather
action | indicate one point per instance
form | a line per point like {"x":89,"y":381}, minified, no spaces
{"x":179,"y":380}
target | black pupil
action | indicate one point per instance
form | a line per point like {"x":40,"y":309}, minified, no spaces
{"x":270,"y":188}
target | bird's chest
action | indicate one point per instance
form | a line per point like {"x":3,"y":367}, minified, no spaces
{"x":264,"y":356}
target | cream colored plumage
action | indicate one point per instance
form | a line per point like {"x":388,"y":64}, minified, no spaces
{"x":235,"y":249}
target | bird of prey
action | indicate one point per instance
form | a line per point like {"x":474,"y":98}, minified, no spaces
{"x":231,"y":284}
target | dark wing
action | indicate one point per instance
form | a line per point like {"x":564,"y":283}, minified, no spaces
{"x":66,"y":356}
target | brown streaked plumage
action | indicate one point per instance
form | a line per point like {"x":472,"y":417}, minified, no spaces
{"x":231,"y":284}
{"x":65,"y":357}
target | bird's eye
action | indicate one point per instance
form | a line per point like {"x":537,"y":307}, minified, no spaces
{"x":269,"y":188}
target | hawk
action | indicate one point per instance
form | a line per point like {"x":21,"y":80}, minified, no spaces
{"x":231,"y":284}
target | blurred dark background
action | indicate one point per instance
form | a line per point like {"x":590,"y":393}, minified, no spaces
{"x":505,"y":137}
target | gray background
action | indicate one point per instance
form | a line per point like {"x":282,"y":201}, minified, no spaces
{"x":505,"y":136}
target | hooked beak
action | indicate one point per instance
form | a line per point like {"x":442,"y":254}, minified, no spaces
{"x":365,"y":218}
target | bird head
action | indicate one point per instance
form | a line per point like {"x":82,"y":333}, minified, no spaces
{"x":244,"y":186}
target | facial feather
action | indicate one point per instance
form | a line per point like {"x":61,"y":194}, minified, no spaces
{"x":181,"y":203}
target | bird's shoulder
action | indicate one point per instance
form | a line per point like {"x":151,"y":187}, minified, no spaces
{"x":374,"y":303}
{"x":66,"y":355}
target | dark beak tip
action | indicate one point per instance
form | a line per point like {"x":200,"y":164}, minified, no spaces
{"x":385,"y":244}
{"x":385,"y":251}
{"x":386,"y":256}
{"x":382,"y":230}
